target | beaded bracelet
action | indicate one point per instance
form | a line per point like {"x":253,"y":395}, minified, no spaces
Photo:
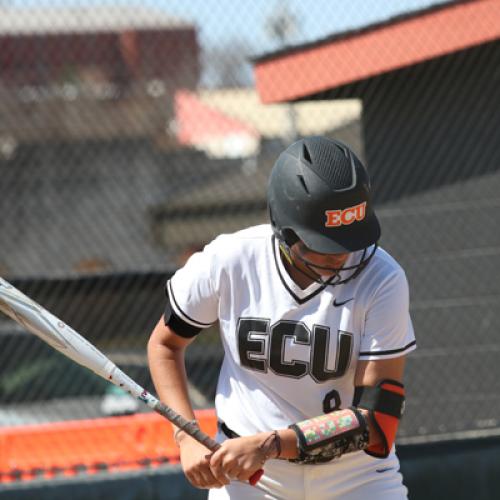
{"x":277,"y":443}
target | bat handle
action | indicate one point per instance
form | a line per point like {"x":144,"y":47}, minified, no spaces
{"x":192,"y":429}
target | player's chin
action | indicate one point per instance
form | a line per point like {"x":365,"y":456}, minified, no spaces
{"x":324,"y":276}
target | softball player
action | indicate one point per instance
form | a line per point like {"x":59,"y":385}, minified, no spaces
{"x":314,"y":321}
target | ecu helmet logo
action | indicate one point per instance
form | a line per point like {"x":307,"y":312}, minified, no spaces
{"x":346,"y":216}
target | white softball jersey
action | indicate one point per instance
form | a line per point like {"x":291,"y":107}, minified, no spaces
{"x":290,"y":353}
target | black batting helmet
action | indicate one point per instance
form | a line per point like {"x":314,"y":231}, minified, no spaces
{"x":319,"y":192}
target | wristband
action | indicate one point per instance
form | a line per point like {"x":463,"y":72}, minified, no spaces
{"x":323,"y":438}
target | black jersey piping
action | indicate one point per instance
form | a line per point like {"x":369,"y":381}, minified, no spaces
{"x":171,"y":295}
{"x":386,"y":353}
{"x":283,"y":281}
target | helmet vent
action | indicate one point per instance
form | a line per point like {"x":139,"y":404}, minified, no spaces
{"x":303,"y":182}
{"x":330,"y":163}
{"x":305,"y":154}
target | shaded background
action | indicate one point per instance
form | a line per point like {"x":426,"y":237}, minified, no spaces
{"x":133,"y":133}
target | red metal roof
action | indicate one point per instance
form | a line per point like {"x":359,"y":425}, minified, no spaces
{"x":196,"y":121}
{"x":405,"y":42}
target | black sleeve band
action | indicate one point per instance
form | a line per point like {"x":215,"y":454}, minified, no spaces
{"x":379,"y":399}
{"x":178,"y":325}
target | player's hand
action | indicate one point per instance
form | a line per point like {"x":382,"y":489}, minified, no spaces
{"x":239,"y":458}
{"x":195,"y":460}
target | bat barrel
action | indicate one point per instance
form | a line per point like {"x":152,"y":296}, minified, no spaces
{"x":71,"y":344}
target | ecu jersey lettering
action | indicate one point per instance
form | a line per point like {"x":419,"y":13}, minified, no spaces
{"x":290,"y":353}
{"x":274,"y":357}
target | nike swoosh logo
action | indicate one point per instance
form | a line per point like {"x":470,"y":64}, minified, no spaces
{"x":338,"y":304}
{"x":380,"y":471}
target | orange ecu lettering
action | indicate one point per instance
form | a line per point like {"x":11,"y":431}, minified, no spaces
{"x":335,"y":218}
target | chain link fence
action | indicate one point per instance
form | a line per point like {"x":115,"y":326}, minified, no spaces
{"x":131,"y":134}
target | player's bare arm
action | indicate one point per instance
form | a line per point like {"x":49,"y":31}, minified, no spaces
{"x":166,"y":362}
{"x":239,"y":458}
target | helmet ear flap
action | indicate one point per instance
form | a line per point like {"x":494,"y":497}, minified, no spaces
{"x":287,"y":236}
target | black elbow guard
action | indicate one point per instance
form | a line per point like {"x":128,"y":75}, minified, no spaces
{"x":385,"y":404}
